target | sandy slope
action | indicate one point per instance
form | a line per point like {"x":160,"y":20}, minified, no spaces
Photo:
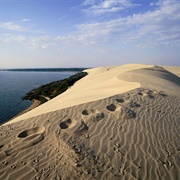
{"x":129,"y":135}
{"x":173,"y":69}
{"x":100,"y":83}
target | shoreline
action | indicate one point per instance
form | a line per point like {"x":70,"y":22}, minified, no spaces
{"x":35,"y":103}
{"x":32,"y":95}
{"x":44,"y":98}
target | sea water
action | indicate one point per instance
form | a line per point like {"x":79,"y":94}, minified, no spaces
{"x":15,"y":85}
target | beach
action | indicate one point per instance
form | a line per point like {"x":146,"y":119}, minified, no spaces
{"x":118,"y":122}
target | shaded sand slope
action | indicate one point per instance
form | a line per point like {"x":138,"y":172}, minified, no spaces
{"x":154,"y":77}
{"x":130,"y":135}
{"x":173,"y":69}
{"x":134,"y":135}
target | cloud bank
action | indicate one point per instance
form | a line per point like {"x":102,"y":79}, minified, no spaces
{"x":99,"y":7}
{"x":157,"y":27}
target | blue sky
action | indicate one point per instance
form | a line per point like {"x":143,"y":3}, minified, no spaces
{"x":88,"y":33}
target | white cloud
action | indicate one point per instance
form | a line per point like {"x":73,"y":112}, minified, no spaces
{"x":26,"y":20}
{"x":100,"y":7}
{"x":13,"y":27}
{"x":157,"y":3}
{"x":42,"y":42}
{"x":10,"y":38}
{"x":160,"y":27}
{"x":18,"y":26}
{"x":14,"y":32}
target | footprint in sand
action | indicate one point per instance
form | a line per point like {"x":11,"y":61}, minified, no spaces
{"x":30,"y":132}
{"x":1,"y":146}
{"x":25,"y":139}
{"x":4,"y":163}
{"x":74,"y":127}
{"x":152,"y":94}
{"x":126,"y":106}
{"x":128,"y":113}
{"x":92,"y":115}
{"x":127,"y":103}
{"x":113,"y":107}
{"x":134,"y":104}
{"x":120,"y":100}
{"x":140,"y":93}
{"x":13,"y":166}
{"x":148,"y":93}
{"x":162,"y":94}
{"x":66,"y":124}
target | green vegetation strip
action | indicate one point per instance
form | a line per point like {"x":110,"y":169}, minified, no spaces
{"x":53,"y":89}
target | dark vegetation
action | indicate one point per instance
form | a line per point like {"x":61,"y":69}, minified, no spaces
{"x":53,"y":89}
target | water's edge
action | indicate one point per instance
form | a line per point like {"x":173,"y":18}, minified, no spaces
{"x":15,"y":85}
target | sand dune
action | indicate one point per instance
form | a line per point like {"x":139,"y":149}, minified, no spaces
{"x":173,"y":69}
{"x":100,"y":83}
{"x":155,"y":78}
{"x":129,"y":132}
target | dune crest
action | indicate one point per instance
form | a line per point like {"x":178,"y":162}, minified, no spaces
{"x":155,"y":78}
{"x":100,"y":83}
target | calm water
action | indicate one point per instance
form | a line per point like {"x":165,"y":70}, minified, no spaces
{"x":14,"y":85}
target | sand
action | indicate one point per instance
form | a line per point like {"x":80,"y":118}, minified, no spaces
{"x":100,"y":83}
{"x":126,"y":126}
{"x":173,"y":69}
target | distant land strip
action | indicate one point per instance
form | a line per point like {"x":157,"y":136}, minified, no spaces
{"x":44,"y":69}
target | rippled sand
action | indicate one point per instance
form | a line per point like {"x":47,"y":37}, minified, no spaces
{"x":129,"y":135}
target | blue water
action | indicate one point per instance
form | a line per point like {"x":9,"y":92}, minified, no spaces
{"x":15,"y":85}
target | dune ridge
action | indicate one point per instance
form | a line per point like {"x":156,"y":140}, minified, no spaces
{"x":155,"y":77}
{"x":109,"y":78}
{"x":89,"y":89}
{"x":129,"y":135}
